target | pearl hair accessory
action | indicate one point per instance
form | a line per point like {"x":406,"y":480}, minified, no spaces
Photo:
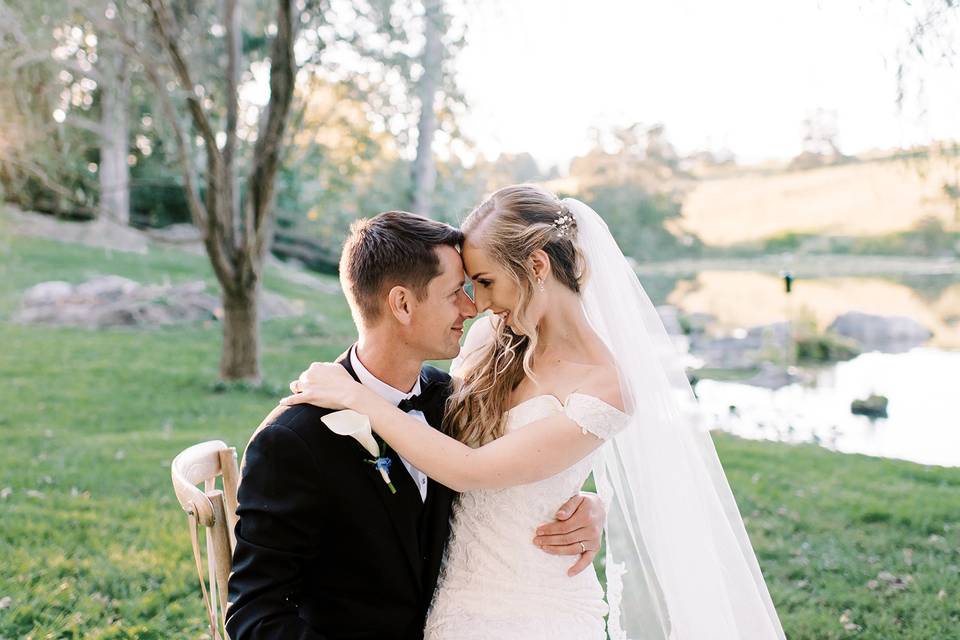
{"x":564,"y":224}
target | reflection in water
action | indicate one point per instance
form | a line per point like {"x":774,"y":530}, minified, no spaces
{"x":924,"y":410}
{"x":748,"y":298}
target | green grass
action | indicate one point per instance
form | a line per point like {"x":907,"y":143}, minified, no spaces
{"x":93,"y":545}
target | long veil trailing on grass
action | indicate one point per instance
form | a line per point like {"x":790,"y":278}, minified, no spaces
{"x":679,"y":564}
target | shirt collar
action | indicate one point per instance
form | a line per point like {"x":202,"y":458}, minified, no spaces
{"x":378,"y":386}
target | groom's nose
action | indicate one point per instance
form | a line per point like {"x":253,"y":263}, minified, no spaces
{"x":467,"y":308}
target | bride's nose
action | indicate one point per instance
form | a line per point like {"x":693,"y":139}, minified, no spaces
{"x":480,"y":301}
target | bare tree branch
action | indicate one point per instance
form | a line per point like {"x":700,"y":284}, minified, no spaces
{"x":219,"y":255}
{"x":86,"y":124}
{"x":164,"y":21}
{"x":266,"y":156}
{"x":218,"y":212}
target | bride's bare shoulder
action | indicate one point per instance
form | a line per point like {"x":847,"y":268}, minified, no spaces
{"x":603,"y":382}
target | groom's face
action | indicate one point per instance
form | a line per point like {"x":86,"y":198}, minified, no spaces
{"x":437,"y":319}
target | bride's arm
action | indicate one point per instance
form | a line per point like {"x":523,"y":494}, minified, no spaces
{"x":538,"y":451}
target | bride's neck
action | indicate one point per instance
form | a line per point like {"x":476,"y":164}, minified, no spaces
{"x":564,"y":328}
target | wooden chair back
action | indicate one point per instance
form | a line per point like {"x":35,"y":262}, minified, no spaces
{"x":216,"y":511}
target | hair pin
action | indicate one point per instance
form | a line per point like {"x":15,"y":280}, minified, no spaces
{"x":563,"y":224}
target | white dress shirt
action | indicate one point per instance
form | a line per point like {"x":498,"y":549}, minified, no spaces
{"x":393,"y":396}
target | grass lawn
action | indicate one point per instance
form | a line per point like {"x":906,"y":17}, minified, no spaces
{"x":93,"y":545}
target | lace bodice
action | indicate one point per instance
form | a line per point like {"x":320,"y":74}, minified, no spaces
{"x":494,"y":582}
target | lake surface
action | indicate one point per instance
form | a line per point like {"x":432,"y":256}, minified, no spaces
{"x":922,"y":385}
{"x":746,"y":298}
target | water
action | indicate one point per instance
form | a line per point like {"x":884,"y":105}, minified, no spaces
{"x":747,"y":298}
{"x":922,"y":385}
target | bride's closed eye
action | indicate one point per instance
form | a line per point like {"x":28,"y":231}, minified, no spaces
{"x":484,"y":283}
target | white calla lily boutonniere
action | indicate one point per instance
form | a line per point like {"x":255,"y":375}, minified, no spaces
{"x":357,"y":426}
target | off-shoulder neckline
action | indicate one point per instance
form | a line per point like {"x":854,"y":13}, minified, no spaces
{"x":563,"y":404}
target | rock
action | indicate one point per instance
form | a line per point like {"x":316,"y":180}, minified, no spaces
{"x":106,"y":288}
{"x":874,"y":406}
{"x":47,"y":292}
{"x":725,"y":353}
{"x":889,"y":334}
{"x":113,"y":301}
{"x":775,"y":335}
{"x":742,"y":352}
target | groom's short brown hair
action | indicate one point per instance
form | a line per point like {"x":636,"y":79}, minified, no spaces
{"x":392,"y":248}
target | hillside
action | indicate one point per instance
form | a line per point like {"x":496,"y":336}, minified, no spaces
{"x":863,"y":198}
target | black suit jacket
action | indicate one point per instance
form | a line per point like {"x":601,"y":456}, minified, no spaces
{"x":324,"y":550}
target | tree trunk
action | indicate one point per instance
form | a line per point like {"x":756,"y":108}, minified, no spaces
{"x":114,"y":140}
{"x":240,"y":357}
{"x":424,"y":168}
{"x":236,"y":238}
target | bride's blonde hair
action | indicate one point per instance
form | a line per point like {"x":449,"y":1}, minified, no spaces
{"x":510,"y":225}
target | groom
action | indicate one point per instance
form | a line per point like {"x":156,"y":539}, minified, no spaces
{"x":324,"y":549}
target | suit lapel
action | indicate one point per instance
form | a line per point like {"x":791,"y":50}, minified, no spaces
{"x":404,"y":506}
{"x":436,"y":523}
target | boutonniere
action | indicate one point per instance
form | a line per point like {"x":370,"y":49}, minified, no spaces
{"x":357,"y":426}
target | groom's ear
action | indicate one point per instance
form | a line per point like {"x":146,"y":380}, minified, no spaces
{"x":399,"y":303}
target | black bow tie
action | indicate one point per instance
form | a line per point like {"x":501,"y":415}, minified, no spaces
{"x":413,"y":403}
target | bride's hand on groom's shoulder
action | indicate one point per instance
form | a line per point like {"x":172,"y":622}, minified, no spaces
{"x":324,"y":384}
{"x":576,"y":531}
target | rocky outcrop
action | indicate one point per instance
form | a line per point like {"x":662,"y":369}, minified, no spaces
{"x":890,"y":334}
{"x":743,"y":351}
{"x":114,"y":301}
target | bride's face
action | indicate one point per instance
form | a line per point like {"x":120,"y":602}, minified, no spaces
{"x":494,"y":288}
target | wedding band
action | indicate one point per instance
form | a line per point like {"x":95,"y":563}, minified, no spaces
{"x":583,"y":548}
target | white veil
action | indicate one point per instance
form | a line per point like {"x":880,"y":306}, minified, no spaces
{"x":679,"y":564}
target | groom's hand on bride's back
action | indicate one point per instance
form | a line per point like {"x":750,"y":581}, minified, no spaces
{"x":575,"y":532}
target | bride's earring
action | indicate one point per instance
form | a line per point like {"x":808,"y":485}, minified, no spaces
{"x":540,"y":284}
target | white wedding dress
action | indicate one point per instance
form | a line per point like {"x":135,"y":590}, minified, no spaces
{"x":679,"y":561}
{"x":495,"y":584}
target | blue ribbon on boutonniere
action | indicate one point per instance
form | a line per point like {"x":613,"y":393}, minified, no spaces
{"x":383,"y":466}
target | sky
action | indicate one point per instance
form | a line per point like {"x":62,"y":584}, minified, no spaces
{"x":739,"y":75}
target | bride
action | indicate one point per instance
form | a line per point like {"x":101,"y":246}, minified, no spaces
{"x":572,"y":373}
